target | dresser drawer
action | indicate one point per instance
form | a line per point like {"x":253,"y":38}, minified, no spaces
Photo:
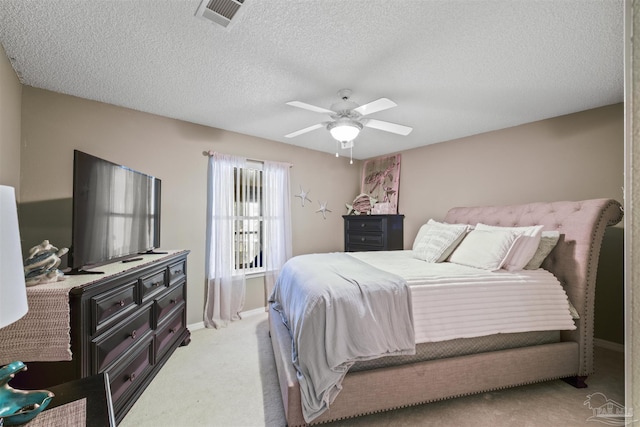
{"x":169,"y":332}
{"x":108,"y":306}
{"x":113,"y":344}
{"x":361,"y":239}
{"x":177,"y":271}
{"x":127,"y":375}
{"x":167,"y":303}
{"x":153,"y":284}
{"x":364,"y":224}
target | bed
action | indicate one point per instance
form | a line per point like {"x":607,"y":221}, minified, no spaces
{"x":403,"y":378}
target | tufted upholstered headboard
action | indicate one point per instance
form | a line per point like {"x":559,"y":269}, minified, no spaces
{"x":574,"y":261}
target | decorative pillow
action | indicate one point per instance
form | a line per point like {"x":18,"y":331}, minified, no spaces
{"x":573,"y":311}
{"x":436,"y":240}
{"x":524,"y":249}
{"x":485,"y":249}
{"x":548,"y":241}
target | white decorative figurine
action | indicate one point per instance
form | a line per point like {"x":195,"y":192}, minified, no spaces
{"x":42,"y":264}
{"x":362,"y":205}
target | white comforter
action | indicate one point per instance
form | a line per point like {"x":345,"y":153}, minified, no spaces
{"x":454,"y":301}
{"x":339,"y":310}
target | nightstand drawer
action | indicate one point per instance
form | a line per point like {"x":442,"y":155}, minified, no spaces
{"x":364,"y":224}
{"x":110,"y":347}
{"x":361,"y":239}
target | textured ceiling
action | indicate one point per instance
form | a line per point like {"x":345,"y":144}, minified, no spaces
{"x":454,"y":67}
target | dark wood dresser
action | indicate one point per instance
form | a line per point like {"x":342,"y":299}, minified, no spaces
{"x":373,"y":232}
{"x":126,"y":322}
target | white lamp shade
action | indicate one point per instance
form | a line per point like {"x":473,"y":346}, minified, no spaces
{"x":13,"y":292}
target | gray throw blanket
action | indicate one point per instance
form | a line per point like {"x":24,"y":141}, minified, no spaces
{"x":339,"y":310}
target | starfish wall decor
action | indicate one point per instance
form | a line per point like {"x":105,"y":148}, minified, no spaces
{"x":303,"y":195}
{"x":323,"y":209}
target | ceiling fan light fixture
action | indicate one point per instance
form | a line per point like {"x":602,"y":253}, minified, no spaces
{"x":344,"y":129}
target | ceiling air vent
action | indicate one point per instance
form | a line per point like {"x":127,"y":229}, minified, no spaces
{"x":219,"y":11}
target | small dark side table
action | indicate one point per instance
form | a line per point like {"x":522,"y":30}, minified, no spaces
{"x":96,"y":390}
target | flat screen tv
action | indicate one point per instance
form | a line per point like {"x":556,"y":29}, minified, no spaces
{"x":116,"y":213}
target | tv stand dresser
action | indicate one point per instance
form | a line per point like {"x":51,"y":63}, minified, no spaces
{"x":126,"y":322}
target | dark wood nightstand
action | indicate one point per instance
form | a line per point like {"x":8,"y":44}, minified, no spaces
{"x":373,"y":232}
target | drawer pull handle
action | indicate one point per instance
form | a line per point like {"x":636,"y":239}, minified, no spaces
{"x":363,"y":225}
{"x":362,"y":239}
{"x":156,"y":284}
{"x":120,"y":303}
{"x":176,"y":272}
{"x":133,"y":334}
{"x":131,"y":377}
{"x":172,"y":331}
{"x":174,"y":301}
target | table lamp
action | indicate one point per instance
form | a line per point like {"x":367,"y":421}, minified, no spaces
{"x":16,"y":406}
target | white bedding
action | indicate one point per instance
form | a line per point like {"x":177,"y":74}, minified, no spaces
{"x":454,"y":301}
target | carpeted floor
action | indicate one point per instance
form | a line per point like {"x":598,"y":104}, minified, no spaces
{"x":227,"y":378}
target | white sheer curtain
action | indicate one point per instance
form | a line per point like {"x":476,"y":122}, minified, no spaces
{"x":225,"y":291}
{"x":277,"y":220}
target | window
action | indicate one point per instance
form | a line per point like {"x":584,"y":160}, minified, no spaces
{"x":248,"y":211}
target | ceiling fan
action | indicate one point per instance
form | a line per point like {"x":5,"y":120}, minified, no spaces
{"x":348,"y":118}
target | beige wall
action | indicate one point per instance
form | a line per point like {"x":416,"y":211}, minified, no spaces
{"x":10,"y":104}
{"x":55,"y":124}
{"x":572,"y":157}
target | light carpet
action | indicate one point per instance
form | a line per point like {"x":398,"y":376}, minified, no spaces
{"x":226,"y":377}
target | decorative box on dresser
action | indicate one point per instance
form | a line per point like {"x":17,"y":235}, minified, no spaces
{"x":373,"y":232}
{"x":126,"y":322}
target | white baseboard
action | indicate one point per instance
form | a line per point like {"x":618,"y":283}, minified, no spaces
{"x":609,"y":345}
{"x":255,"y":311}
{"x":195,"y":326}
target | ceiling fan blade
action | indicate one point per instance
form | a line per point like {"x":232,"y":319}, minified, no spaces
{"x":310,"y":107}
{"x":305,"y":130}
{"x":387,"y":126}
{"x":375,"y":106}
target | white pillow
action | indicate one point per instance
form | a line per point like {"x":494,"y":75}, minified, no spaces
{"x":548,"y":241}
{"x":436,"y":240}
{"x":525,"y":247}
{"x":485,"y":249}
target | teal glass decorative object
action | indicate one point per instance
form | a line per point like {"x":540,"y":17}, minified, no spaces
{"x":19,"y":406}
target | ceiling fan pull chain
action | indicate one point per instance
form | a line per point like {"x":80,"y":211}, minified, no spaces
{"x":351,"y":155}
{"x":337,"y":146}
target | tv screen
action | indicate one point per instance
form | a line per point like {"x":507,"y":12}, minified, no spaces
{"x":116,"y":212}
